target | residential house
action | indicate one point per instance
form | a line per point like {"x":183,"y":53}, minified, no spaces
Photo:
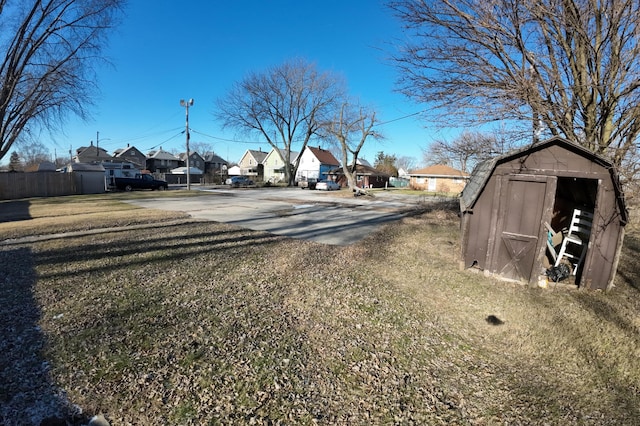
{"x":274,"y":165}
{"x":251,"y":164}
{"x":132,"y":155}
{"x":366,"y":177}
{"x":214,"y":164}
{"x":438,"y":178}
{"x":315,"y":163}
{"x":91,"y":154}
{"x":195,"y":160}
{"x":161,"y":161}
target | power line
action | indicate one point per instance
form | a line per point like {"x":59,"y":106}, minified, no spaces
{"x":399,"y":118}
{"x":226,"y":140}
{"x":166,"y":140}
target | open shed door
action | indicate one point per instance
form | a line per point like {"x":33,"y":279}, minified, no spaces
{"x":525,"y":202}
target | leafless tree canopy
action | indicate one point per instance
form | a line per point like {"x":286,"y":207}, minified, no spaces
{"x":32,"y":152}
{"x":463,"y":152}
{"x":349,"y":130}
{"x":48,"y":48}
{"x":564,"y":67}
{"x":285,"y":105}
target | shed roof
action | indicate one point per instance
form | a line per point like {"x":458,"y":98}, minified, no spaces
{"x":483,"y":170}
{"x":86,"y":167}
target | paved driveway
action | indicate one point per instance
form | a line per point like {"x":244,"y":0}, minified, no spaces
{"x":293,"y":212}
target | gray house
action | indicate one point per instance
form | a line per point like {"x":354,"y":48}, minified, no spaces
{"x":161,"y":161}
{"x":133,"y":155}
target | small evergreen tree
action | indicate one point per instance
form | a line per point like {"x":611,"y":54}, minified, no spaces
{"x":15,"y":164}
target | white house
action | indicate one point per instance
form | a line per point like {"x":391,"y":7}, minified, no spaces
{"x":315,"y":163}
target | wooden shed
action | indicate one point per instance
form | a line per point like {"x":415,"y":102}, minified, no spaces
{"x":513,"y":205}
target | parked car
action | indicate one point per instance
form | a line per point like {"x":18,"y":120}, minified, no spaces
{"x":140,"y":181}
{"x":237,"y":181}
{"x":327,"y":185}
{"x":309,"y":183}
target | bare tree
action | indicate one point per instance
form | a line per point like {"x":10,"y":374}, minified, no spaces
{"x":48,"y":48}
{"x":406,"y":163}
{"x":350,"y":129}
{"x":32,"y":152}
{"x":202,"y":148}
{"x":462,"y":152}
{"x":557,"y":67}
{"x":285,"y":105}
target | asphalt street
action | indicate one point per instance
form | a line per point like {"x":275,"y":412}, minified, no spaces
{"x":320,"y":216}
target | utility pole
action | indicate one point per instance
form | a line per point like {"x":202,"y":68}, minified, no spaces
{"x":186,"y":105}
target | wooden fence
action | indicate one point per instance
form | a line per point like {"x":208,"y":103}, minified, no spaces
{"x":41,"y":184}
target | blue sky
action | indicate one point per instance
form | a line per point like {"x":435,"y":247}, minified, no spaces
{"x":166,"y":50}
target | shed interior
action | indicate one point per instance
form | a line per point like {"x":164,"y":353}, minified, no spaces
{"x":572,"y":193}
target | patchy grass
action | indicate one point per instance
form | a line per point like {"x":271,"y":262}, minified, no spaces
{"x":38,"y":216}
{"x":205,"y":323}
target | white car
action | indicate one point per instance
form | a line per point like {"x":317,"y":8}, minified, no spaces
{"x":327,"y":185}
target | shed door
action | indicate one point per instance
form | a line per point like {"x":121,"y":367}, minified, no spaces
{"x":524,"y":201}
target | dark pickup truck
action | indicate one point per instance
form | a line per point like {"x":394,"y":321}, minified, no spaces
{"x":140,"y":181}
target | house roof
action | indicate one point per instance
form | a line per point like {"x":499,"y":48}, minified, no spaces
{"x":183,"y":171}
{"x":121,"y":151}
{"x":324,"y":156}
{"x":281,"y":152}
{"x":439,"y":170}
{"x":361,"y":169}
{"x":92,"y":150}
{"x":213,"y":158}
{"x":257,"y":155}
{"x":483,"y":170}
{"x":363,"y":162}
{"x":161,"y":155}
{"x":183,"y":155}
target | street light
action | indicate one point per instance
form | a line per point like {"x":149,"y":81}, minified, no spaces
{"x":186,"y":105}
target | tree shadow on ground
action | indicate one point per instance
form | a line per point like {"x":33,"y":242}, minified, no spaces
{"x":27,"y":394}
{"x":12,"y":211}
